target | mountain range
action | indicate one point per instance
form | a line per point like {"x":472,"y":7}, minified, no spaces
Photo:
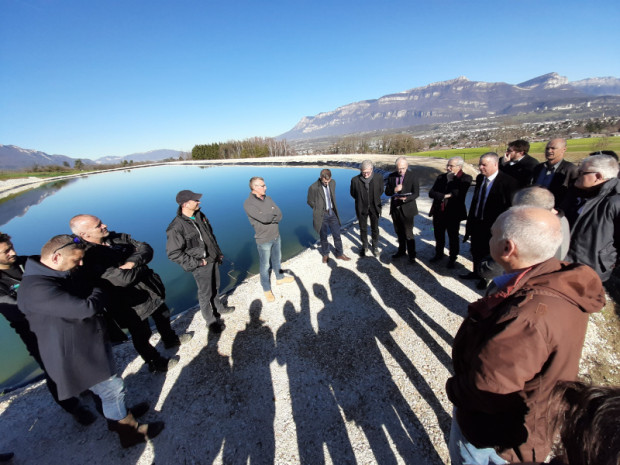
{"x":461,"y":99}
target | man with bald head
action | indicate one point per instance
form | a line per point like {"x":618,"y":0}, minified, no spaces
{"x":492,"y":196}
{"x":136,"y":291}
{"x":556,"y":174}
{"x":517,"y":342}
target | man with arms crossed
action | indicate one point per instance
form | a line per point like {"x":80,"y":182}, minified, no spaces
{"x":367,"y":189}
{"x":517,"y":342}
{"x":264,"y":216}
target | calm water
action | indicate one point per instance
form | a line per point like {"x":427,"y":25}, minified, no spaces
{"x":141,"y":203}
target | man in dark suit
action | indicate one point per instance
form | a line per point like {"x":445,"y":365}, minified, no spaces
{"x":492,"y":196}
{"x":366,"y":189}
{"x":448,"y":210}
{"x":517,"y":163}
{"x":403,"y":187}
{"x":556,"y":174}
{"x":322,"y":200}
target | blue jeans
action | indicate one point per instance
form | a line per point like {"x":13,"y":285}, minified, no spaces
{"x":269,"y":252}
{"x":112,"y":395}
{"x":463,"y":452}
{"x":330,"y":223}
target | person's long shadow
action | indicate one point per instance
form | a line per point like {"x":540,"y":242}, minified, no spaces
{"x":252,"y":393}
{"x":362,"y":384}
{"x":317,"y":419}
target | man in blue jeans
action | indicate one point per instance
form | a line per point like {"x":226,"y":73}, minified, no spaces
{"x":322,"y":200}
{"x":264,"y":216}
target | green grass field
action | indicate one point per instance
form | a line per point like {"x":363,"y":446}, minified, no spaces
{"x":576,"y":149}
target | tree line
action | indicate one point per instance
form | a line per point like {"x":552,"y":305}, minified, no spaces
{"x":390,"y":144}
{"x":255,"y":147}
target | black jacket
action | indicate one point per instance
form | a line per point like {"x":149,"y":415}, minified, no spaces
{"x":360,"y":194}
{"x":453,"y":207}
{"x":564,"y":177}
{"x":188,"y":246}
{"x":499,"y":199}
{"x":595,"y":232}
{"x":139,"y":288}
{"x":318,"y":203}
{"x":410,"y":186}
{"x":65,"y":314}
{"x":521,"y":170}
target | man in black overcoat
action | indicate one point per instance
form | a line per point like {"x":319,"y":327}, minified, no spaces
{"x":403,"y":188}
{"x":518,"y":163}
{"x":366,"y":189}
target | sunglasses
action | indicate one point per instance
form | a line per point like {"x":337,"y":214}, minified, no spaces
{"x":75,"y":240}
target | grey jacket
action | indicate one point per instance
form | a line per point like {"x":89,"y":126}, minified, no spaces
{"x":318,"y":203}
{"x":188,"y":246}
{"x":595,"y":232}
{"x":264,"y":216}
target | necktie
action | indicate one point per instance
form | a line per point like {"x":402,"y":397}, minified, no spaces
{"x":483,"y":194}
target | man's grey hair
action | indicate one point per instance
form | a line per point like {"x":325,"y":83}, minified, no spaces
{"x":399,"y":159}
{"x":457,"y":160}
{"x":77,"y":223}
{"x":606,"y":165}
{"x":490,"y":155}
{"x":367,"y":164}
{"x":534,"y":196}
{"x":536,"y":241}
{"x":254,"y":179}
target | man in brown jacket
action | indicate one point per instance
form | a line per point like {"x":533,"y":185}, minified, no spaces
{"x":517,"y":342}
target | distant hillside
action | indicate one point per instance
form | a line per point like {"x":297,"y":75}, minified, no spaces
{"x":17,"y":158}
{"x":153,"y":155}
{"x":461,"y":99}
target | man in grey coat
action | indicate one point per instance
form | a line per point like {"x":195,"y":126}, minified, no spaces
{"x":322,"y":200}
{"x":367,"y":189}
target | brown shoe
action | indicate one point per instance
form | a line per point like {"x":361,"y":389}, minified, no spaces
{"x":343,"y":257}
{"x":325,"y":258}
{"x":269,"y":296}
{"x":285,"y":280}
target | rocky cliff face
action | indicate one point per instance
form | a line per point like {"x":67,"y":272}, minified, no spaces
{"x":454,"y":100}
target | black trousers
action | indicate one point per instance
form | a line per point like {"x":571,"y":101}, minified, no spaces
{"x":403,"y":226}
{"x":441,"y":225}
{"x":374,"y":228}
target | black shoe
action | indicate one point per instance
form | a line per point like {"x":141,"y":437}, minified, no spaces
{"x":374,"y":252}
{"x":216,"y":327}
{"x":362,"y":252}
{"x":226,"y":309}
{"x":436,"y":258}
{"x":84,"y":416}
{"x":399,"y":254}
{"x":482,"y":284}
{"x":452,"y":263}
{"x":6,"y":456}
{"x":178,"y":340}
{"x":470,"y":275}
{"x":163,"y":364}
{"x":412,"y":261}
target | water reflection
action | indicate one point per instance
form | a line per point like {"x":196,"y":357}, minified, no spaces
{"x":141,"y":202}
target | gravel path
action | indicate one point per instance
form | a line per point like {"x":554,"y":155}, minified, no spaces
{"x":348,"y":365}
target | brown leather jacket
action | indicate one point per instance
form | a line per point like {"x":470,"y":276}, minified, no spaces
{"x":511,"y":350}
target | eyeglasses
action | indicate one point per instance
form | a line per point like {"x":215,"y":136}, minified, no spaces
{"x":75,"y":240}
{"x":582,"y":173}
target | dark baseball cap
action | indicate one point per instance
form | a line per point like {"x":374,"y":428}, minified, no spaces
{"x":186,"y":196}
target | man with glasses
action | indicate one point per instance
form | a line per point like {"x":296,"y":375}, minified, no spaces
{"x":322,"y":200}
{"x":136,"y":291}
{"x":556,"y":174}
{"x":264,"y":216}
{"x":192,"y":244}
{"x":11,"y":274}
{"x":65,"y":313}
{"x":592,"y":208}
{"x":518,"y":163}
{"x":448,"y":209}
{"x":366,"y":189}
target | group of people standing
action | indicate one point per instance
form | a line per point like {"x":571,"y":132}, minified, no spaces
{"x":515,"y":344}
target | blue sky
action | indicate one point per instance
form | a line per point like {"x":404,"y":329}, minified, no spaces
{"x":92,"y":78}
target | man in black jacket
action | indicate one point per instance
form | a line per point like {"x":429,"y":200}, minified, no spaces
{"x":367,"y":189}
{"x":518,"y":163}
{"x":136,"y":291}
{"x":64,"y":312}
{"x":556,"y":174}
{"x":492,"y":196}
{"x":322,"y":200}
{"x":403,"y":187}
{"x":192,"y":244}
{"x":448,"y":209}
{"x":11,"y":272}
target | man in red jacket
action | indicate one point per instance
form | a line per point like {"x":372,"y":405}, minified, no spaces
{"x":517,"y":342}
